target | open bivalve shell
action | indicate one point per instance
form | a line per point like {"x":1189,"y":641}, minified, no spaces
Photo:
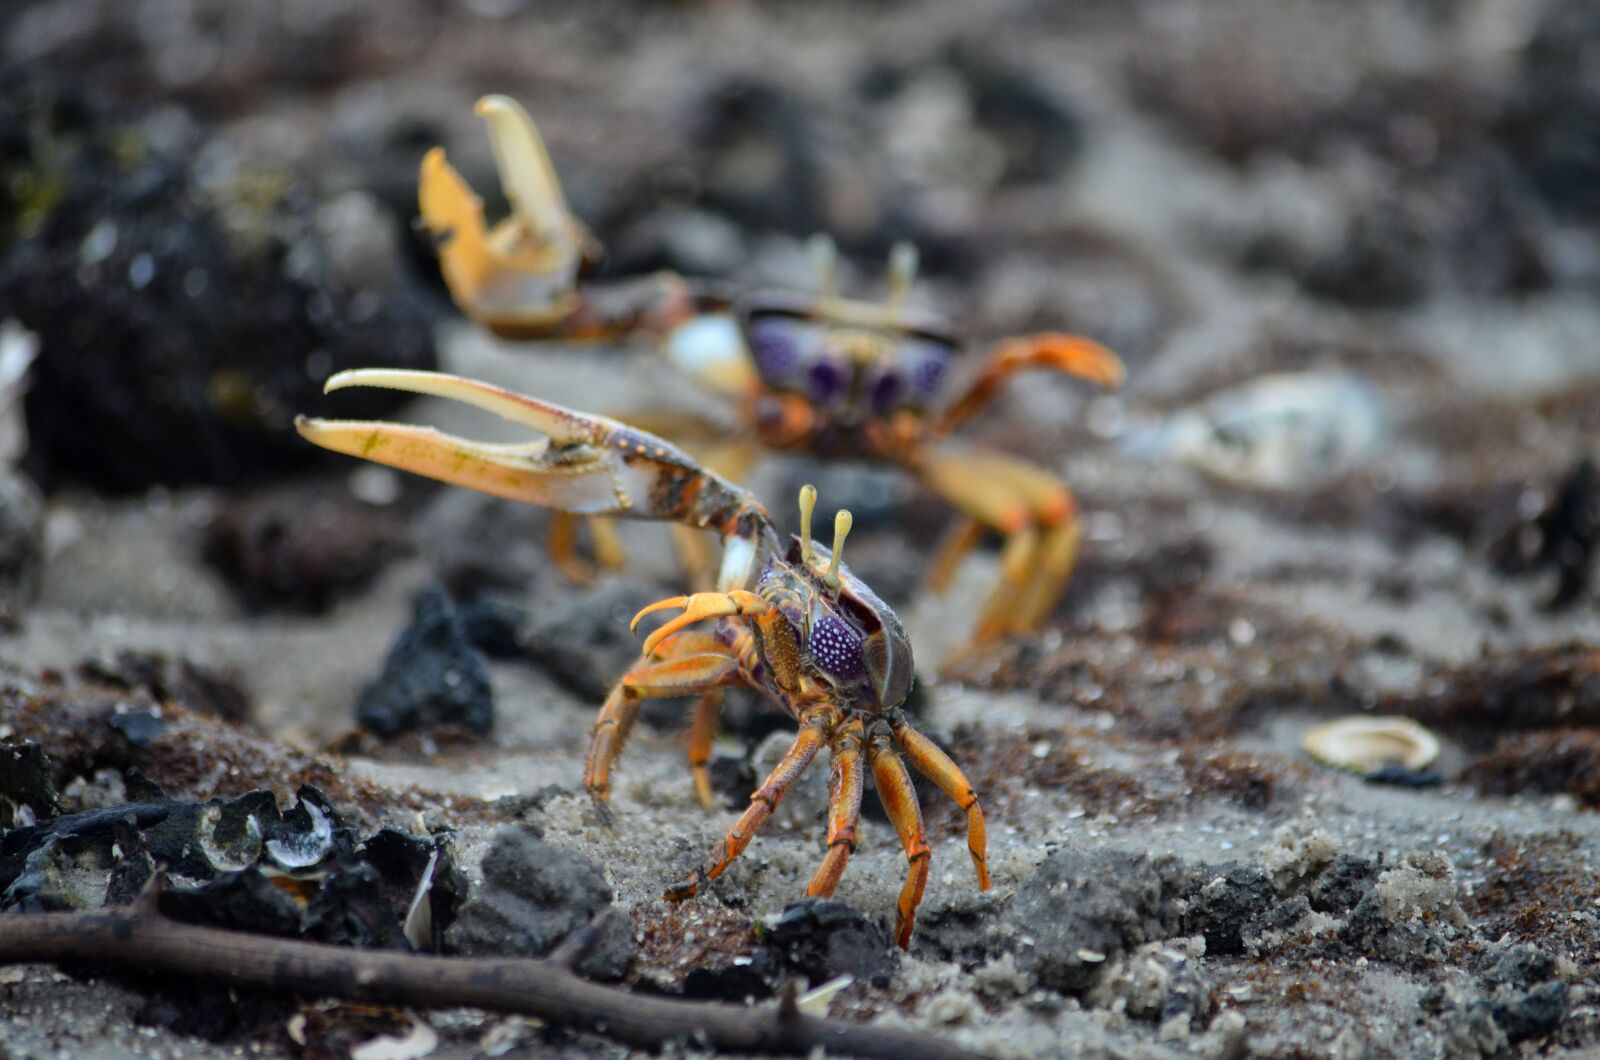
{"x":1364,"y":743}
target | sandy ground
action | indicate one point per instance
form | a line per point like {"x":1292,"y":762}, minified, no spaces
{"x":1210,"y":626}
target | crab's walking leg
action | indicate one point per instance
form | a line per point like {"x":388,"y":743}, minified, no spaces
{"x":1038,"y":516}
{"x":815,"y":726}
{"x":702,"y":734}
{"x":959,"y":540}
{"x":698,"y":662}
{"x":934,"y":764}
{"x":899,"y":799}
{"x":845,"y":779}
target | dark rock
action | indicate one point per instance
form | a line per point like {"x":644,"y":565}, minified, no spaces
{"x":244,"y":900}
{"x":349,"y":909}
{"x":481,"y":545}
{"x":433,"y":676}
{"x":582,"y":639}
{"x":17,"y":845}
{"x":60,"y":874}
{"x":187,"y":318}
{"x":743,"y":980}
{"x":1344,"y":884}
{"x":309,"y":833}
{"x":133,"y":867}
{"x":402,"y":860}
{"x":1466,"y":1026}
{"x":194,"y":687}
{"x":139,"y":727}
{"x":25,"y":782}
{"x":1563,"y":538}
{"x":303,"y":547}
{"x":534,"y":895}
{"x":1080,"y":908}
{"x":823,"y":939}
{"x":1535,"y":1013}
{"x":1520,"y":966}
{"x":1398,"y":776}
{"x":1230,"y":906}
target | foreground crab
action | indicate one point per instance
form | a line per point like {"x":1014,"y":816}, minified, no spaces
{"x":789,"y":621}
{"x":818,"y":373}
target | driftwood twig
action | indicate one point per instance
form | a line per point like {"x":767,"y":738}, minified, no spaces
{"x":140,"y":937}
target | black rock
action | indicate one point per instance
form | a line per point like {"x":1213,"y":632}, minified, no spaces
{"x":303,"y":546}
{"x":534,"y":895}
{"x":823,"y":939}
{"x":1344,"y":884}
{"x":244,"y":900}
{"x":349,"y":909}
{"x":1519,"y":966}
{"x":1229,"y":907}
{"x":1535,"y":1013}
{"x":195,"y":687}
{"x":17,"y":845}
{"x":25,"y":781}
{"x":434,"y":675}
{"x":139,"y":727}
{"x":744,"y":979}
{"x":1080,"y":908}
{"x":582,"y":639}
{"x":187,"y":320}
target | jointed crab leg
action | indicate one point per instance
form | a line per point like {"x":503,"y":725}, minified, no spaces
{"x":815,"y":725}
{"x":934,"y":764}
{"x":844,"y":806}
{"x":702,"y":734}
{"x":899,"y":800}
{"x":698,"y":662}
{"x":1039,"y":518}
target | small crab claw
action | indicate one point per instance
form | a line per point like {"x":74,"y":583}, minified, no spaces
{"x":522,"y":275}
{"x":584,"y":464}
{"x":695,"y":608}
{"x":1069,"y":354}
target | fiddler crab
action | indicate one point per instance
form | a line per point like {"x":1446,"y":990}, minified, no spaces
{"x":817,"y":373}
{"x":788,"y":619}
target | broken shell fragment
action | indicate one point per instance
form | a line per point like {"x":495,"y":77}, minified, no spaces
{"x":1363,"y":743}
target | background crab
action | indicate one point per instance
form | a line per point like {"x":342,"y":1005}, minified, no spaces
{"x":835,"y":377}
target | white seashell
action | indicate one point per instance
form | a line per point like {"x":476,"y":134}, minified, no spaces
{"x":1364,"y":743}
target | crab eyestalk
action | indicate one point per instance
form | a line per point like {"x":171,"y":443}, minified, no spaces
{"x":824,"y":254}
{"x":808,"y":504}
{"x":903,"y":263}
{"x":841,"y":530}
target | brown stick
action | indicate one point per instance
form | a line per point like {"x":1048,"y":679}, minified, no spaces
{"x":140,"y":937}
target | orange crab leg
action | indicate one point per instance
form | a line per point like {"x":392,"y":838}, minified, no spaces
{"x":1067,"y":354}
{"x":702,"y":734}
{"x":959,"y":540}
{"x":815,"y":725}
{"x":845,"y":780}
{"x":899,"y":799}
{"x":703,"y":664}
{"x":934,"y":764}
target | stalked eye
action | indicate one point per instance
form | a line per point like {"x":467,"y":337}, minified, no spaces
{"x":887,"y":390}
{"x":827,"y":381}
{"x":774,"y":343}
{"x":836,"y":647}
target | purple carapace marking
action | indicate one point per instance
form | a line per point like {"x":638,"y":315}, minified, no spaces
{"x":773,"y":344}
{"x":837,"y":648}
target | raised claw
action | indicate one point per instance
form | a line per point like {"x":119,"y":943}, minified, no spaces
{"x":585,"y":464}
{"x":521,"y":276}
{"x":697,"y":607}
